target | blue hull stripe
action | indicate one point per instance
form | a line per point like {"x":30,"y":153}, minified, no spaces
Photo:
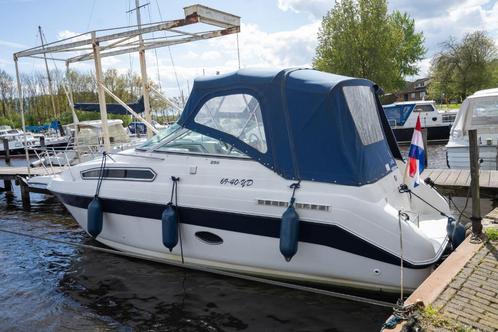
{"x":310,"y":232}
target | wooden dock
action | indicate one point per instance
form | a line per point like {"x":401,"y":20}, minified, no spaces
{"x":457,"y":181}
{"x":10,"y":173}
{"x":20,"y":175}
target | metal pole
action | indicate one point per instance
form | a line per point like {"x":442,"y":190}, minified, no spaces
{"x":143,"y":69}
{"x":21,"y":108}
{"x":101,"y":92}
{"x":424,"y":139}
{"x":48,"y":74}
{"x":238,"y":49}
{"x":75,"y":116}
{"x":474,"y":185}
{"x":129,"y":109}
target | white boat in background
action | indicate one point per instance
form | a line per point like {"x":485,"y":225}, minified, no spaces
{"x":17,"y":140}
{"x":88,"y":143}
{"x":402,"y":117}
{"x":479,"y":111}
{"x":247,"y":144}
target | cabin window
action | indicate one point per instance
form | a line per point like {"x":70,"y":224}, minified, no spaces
{"x":423,"y":108}
{"x":238,"y":115}
{"x":132,"y":174}
{"x":193,"y":142}
{"x":363,"y":107}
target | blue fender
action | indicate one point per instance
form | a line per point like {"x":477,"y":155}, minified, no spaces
{"x":289,"y":233}
{"x":169,"y":221}
{"x":95,"y":217}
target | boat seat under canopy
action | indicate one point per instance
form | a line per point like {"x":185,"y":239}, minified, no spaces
{"x":301,"y":123}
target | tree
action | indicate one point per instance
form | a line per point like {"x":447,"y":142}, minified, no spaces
{"x":360,"y":38}
{"x":461,"y":68}
{"x":6,"y":91}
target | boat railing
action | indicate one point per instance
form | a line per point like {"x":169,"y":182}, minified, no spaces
{"x":55,"y":159}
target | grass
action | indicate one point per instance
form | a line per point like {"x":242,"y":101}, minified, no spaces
{"x":434,"y":318}
{"x":448,"y":107}
{"x":491,"y":233}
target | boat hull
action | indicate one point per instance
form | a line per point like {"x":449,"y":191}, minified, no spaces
{"x":434,"y":134}
{"x":458,"y":156}
{"x":249,"y":245}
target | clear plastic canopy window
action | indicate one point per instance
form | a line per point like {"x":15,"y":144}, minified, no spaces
{"x":479,"y":111}
{"x":363,"y":108}
{"x":238,"y":115}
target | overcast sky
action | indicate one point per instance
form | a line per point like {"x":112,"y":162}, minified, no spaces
{"x":280,"y":33}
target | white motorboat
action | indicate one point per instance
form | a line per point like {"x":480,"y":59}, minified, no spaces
{"x":478,"y":111}
{"x":17,"y":140}
{"x":402,"y":117}
{"x":244,"y":143}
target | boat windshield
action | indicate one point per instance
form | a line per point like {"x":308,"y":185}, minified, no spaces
{"x":159,"y":137}
{"x":180,"y":140}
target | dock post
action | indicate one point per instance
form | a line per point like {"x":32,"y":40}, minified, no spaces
{"x":7,"y":185}
{"x":23,"y":185}
{"x":424,"y":139}
{"x":6,"y":149}
{"x":474,"y":185}
{"x":42,"y":142}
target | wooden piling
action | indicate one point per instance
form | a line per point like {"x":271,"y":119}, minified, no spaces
{"x":42,"y":141}
{"x":23,"y":185}
{"x":474,"y":184}
{"x":424,"y":139}
{"x":7,"y":185}
{"x":6,"y":149}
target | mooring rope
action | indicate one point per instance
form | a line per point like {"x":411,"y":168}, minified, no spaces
{"x":190,"y":266}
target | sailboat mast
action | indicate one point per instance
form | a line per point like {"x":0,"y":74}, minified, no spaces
{"x":143,"y":69}
{"x":50,"y":91}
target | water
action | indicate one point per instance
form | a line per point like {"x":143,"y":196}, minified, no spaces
{"x":55,"y":287}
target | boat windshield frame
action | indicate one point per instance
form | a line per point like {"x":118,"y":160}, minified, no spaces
{"x":181,"y":131}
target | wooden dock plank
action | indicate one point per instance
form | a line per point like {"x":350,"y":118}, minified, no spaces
{"x":484,"y":178}
{"x":493,"y":180}
{"x":457,"y":181}
{"x":452,"y":177}
{"x":441,"y":180}
{"x":462,"y":178}
{"x":434,"y":174}
{"x":23,"y":171}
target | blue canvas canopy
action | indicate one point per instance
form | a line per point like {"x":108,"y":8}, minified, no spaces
{"x":138,"y":107}
{"x":55,"y":124}
{"x":311,"y":132}
{"x":397,"y":114}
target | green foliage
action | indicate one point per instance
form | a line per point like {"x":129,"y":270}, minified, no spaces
{"x":38,"y":103}
{"x":360,"y":38}
{"x":433,"y":318}
{"x":491,"y":233}
{"x":462,"y":68}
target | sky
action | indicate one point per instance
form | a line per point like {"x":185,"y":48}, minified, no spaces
{"x":274,"y":33}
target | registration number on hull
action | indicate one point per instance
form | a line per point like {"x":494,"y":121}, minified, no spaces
{"x":237,"y":182}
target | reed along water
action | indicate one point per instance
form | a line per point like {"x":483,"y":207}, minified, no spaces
{"x":47,"y":286}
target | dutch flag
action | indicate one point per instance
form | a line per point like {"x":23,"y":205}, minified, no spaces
{"x":416,"y":156}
